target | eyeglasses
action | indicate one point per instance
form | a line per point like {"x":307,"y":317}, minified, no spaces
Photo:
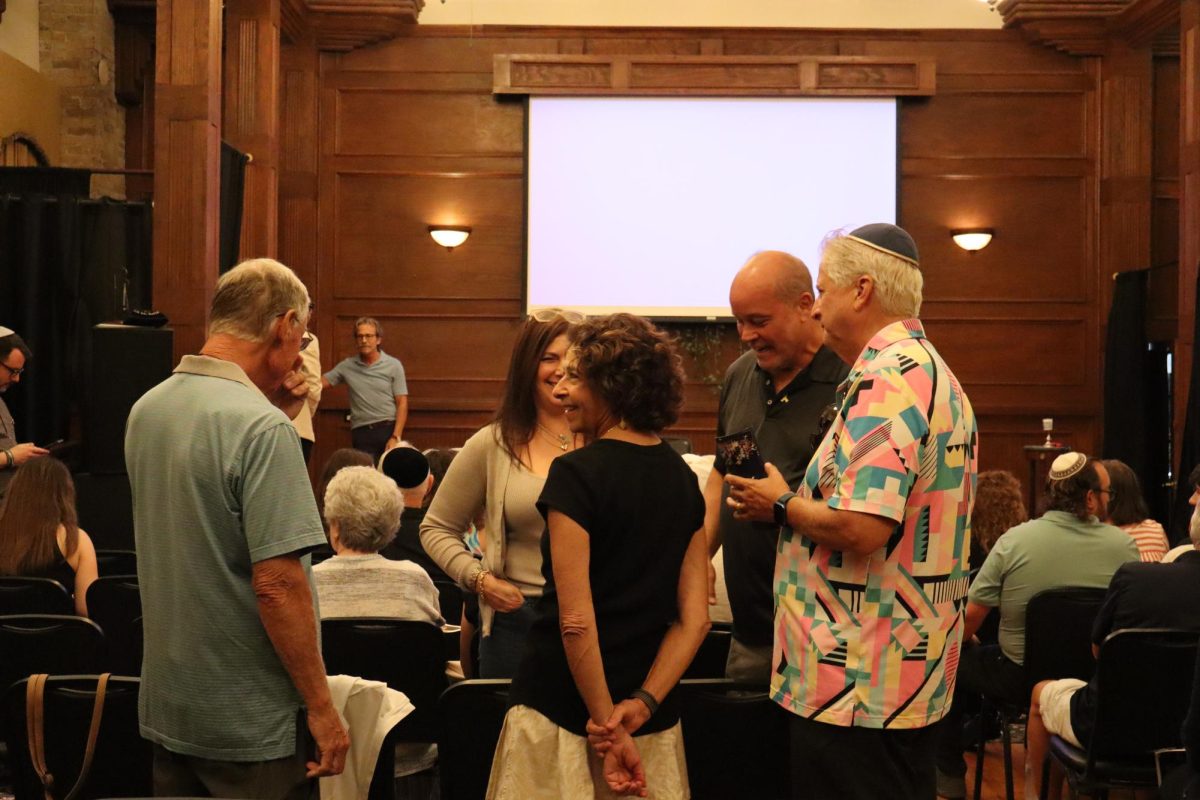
{"x":305,"y":341}
{"x":1112,"y":493}
{"x":551,"y":314}
{"x":824,"y":420}
{"x":14,"y":371}
{"x":364,"y":336}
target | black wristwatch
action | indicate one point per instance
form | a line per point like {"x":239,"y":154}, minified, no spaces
{"x":781,"y":508}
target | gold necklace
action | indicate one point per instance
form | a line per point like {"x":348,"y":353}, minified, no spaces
{"x":560,"y":440}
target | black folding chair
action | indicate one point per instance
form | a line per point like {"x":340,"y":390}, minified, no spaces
{"x":1058,"y":644}
{"x":34,"y":596}
{"x":114,"y":603}
{"x":121,"y":764}
{"x":1144,"y":679}
{"x":50,"y":643}
{"x":726,"y":723}
{"x":472,"y":713}
{"x":409,"y":657}
{"x":116,"y":562}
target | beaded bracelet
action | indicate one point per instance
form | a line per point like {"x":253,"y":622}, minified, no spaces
{"x":11,"y":460}
{"x":645,"y":697}
{"x":479,"y":576}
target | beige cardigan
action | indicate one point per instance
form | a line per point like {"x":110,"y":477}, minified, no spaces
{"x":477,"y":479}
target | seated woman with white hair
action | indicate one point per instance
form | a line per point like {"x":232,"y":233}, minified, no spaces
{"x":363,"y":507}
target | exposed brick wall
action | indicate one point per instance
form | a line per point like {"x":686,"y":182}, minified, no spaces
{"x":77,"y":54}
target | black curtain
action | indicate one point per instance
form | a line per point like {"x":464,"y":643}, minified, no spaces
{"x":1135,"y":391}
{"x":233,"y":179}
{"x":64,"y":265}
{"x":1189,"y":445}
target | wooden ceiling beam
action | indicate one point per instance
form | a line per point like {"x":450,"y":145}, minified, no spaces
{"x":1084,"y":27}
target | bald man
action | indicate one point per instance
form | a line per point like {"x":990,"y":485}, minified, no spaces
{"x":777,"y":389}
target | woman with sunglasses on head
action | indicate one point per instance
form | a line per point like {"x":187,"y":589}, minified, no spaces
{"x":499,"y":474}
{"x":625,"y":605}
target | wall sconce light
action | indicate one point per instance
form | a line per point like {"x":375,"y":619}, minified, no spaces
{"x":972,"y":239}
{"x":449,"y":236}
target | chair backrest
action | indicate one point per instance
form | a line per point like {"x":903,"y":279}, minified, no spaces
{"x":726,"y":723}
{"x":116,"y":562}
{"x":471,"y":714}
{"x":121,"y":765}
{"x":1058,"y":633}
{"x":50,"y":643}
{"x":711,"y":657}
{"x":114,"y":603}
{"x":1144,"y":677}
{"x":408,"y":656}
{"x":450,"y":601}
{"x":34,"y":596}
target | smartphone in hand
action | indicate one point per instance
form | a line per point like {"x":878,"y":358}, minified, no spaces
{"x":740,"y":453}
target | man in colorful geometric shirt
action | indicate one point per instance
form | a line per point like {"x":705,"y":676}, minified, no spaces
{"x":871,"y":573}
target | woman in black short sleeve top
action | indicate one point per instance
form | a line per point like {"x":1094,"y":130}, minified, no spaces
{"x":625,"y":604}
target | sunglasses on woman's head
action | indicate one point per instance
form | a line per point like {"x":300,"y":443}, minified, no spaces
{"x":551,"y":314}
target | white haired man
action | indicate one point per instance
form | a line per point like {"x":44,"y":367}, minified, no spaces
{"x":223,"y":521}
{"x":872,"y":564}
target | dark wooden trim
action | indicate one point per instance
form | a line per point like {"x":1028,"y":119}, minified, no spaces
{"x":742,"y":76}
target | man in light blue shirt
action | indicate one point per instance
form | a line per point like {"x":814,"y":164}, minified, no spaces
{"x":224,"y":517}
{"x":378,"y":391}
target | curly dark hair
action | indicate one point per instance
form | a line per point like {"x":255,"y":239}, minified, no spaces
{"x":633,"y":367}
{"x":998,"y":507}
{"x":1070,"y":495}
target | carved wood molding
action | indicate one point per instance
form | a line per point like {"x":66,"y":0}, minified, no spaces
{"x":342,"y":25}
{"x":762,"y":76}
{"x":1085,"y":27}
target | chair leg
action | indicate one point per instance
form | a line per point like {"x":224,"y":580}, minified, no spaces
{"x":980,"y":751}
{"x":1006,"y":737}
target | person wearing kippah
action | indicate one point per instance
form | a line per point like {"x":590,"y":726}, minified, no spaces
{"x":1140,"y":595}
{"x":1066,"y":546}
{"x":872,"y":560}
{"x":13,"y":355}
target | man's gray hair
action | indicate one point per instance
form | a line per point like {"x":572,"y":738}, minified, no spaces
{"x":898,"y":283}
{"x":252,"y":295}
{"x":366,"y":505}
{"x":374,"y":323}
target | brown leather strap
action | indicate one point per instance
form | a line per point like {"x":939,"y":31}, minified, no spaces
{"x":35,"y":727}
{"x":35,"y":689}
{"x":89,"y":749}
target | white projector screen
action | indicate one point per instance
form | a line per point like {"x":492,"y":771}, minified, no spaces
{"x":650,"y":205}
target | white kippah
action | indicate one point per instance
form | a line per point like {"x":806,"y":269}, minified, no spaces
{"x":6,"y":331}
{"x":1066,"y":465}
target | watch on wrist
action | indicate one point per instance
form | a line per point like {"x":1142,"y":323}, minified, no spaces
{"x":780,"y":508}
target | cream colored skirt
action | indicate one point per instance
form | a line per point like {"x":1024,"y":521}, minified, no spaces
{"x":535,"y":760}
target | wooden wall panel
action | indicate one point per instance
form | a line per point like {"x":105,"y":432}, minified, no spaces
{"x":382,"y":246}
{"x":1022,"y":263}
{"x":409,"y":130}
{"x":981,"y":125}
{"x":462,"y":123}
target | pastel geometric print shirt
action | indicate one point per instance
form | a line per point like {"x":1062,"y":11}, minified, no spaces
{"x":873,"y":641}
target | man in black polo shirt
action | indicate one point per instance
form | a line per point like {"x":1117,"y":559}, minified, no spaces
{"x":777,"y":389}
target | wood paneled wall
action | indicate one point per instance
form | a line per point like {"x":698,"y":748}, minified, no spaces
{"x":409,"y":134}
